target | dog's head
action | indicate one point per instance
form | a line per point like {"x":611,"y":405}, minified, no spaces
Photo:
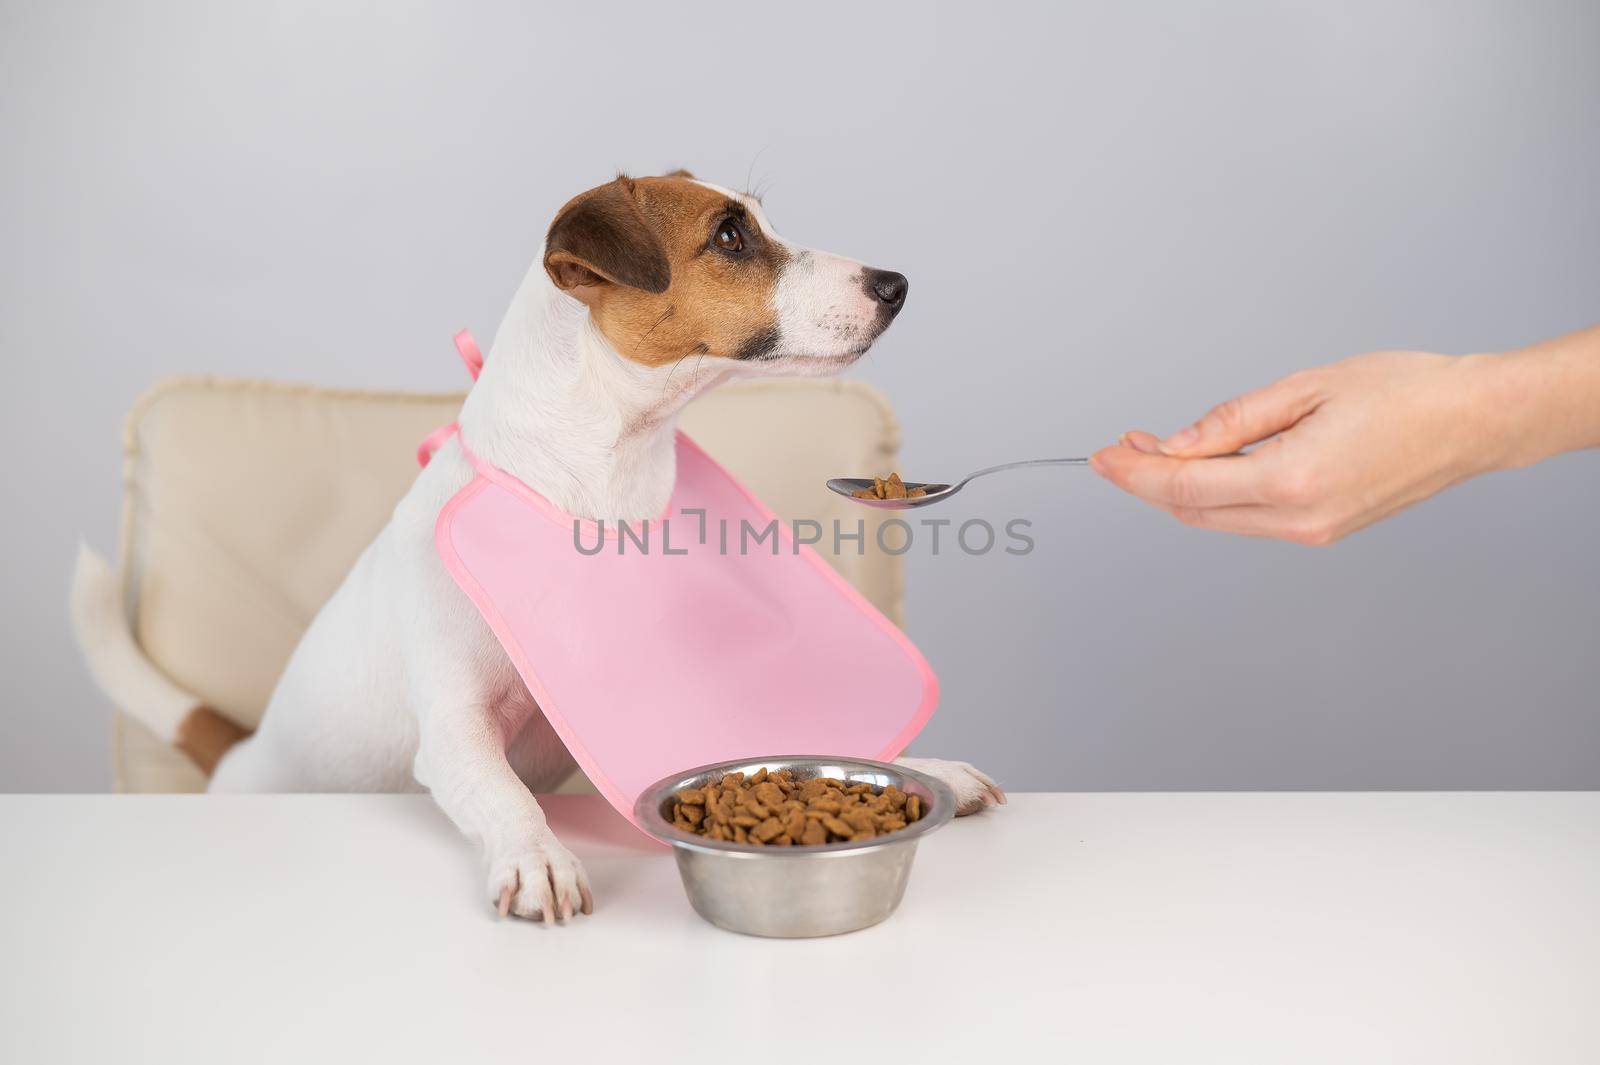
{"x":671,"y":266}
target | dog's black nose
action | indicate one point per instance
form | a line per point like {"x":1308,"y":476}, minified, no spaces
{"x":887,"y":287}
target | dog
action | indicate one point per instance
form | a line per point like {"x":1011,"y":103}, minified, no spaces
{"x":648,"y":292}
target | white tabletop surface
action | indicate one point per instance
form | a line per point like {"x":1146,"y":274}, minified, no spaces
{"x":1355,"y":928}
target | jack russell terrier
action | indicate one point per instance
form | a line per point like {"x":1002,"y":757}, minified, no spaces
{"x":649,"y":292}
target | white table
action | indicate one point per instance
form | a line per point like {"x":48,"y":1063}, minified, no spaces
{"x":1181,"y":928}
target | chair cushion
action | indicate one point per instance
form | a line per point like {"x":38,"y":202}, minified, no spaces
{"x":247,"y":502}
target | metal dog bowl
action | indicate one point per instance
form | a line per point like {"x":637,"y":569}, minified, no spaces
{"x":796,"y":892}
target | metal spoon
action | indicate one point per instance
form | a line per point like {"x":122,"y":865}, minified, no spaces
{"x":846,"y":486}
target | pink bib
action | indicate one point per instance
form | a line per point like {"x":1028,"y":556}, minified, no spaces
{"x":687,"y":640}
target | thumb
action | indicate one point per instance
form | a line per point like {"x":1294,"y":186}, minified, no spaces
{"x":1246,"y":419}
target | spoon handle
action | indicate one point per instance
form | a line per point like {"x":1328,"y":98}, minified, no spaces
{"x":1025,"y":462}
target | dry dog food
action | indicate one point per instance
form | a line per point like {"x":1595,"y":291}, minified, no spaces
{"x":775,"y":810}
{"x":893,"y":488}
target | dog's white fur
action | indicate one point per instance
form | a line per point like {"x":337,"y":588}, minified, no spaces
{"x":398,"y":682}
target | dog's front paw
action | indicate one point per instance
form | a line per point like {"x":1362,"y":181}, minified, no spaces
{"x":974,"y":790}
{"x":539,"y":878}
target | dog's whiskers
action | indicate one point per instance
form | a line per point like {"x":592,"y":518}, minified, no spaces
{"x":749,"y":174}
{"x":668,"y":313}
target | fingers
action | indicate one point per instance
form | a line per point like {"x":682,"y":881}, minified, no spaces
{"x":1139,"y":440}
{"x":1187,"y":483}
{"x":1243,"y":494}
{"x":1244,"y":420}
{"x":1244,"y":520}
{"x":1275,"y":523}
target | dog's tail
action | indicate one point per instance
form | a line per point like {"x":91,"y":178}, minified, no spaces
{"x":131,"y":680}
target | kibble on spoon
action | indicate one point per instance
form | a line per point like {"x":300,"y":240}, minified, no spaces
{"x":892,"y":493}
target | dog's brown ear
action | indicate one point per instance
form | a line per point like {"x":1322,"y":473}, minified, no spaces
{"x":602,"y":237}
{"x":680,"y":172}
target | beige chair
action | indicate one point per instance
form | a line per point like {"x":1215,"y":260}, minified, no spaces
{"x":246,"y":502}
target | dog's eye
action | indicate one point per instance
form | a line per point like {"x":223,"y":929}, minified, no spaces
{"x":728,"y":236}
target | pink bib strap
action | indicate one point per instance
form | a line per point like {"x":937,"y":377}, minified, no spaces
{"x":434,"y":441}
{"x":470,"y":354}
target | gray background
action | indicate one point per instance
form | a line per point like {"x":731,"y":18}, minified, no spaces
{"x":1112,"y":216}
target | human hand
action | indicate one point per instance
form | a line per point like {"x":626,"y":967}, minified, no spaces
{"x":1350,"y":443}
